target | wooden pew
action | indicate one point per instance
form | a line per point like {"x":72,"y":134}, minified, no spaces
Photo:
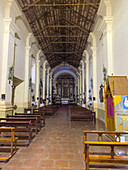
{"x":32,"y":117}
{"x":47,"y":110}
{"x":22,"y":129}
{"x":80,"y":113}
{"x":34,"y":121}
{"x":41,"y":115}
{"x":8,"y":139}
{"x":103,"y":158}
{"x":115,"y":137}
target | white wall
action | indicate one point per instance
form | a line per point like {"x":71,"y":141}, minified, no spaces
{"x":2,"y":12}
{"x":120,"y":36}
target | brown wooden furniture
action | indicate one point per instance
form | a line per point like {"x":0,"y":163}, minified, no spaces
{"x":38,"y":118}
{"x":33,"y":120}
{"x":40,"y":115}
{"x":47,"y":110}
{"x":105,"y":159}
{"x":80,"y":113}
{"x":23,"y":130}
{"x":8,"y":139}
{"x":115,"y":135}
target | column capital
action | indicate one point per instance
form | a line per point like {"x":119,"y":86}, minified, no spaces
{"x":37,"y":61}
{"x":93,"y":49}
{"x":28,"y":47}
{"x":10,"y":26}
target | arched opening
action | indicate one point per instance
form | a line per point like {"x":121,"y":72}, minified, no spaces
{"x":65,"y":87}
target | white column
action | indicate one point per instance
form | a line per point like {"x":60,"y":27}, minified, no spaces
{"x":27,"y":77}
{"x":108,"y":21}
{"x":76,"y":84}
{"x":27,"y":73}
{"x":83,"y":83}
{"x":7,"y":61}
{"x":48,"y":85}
{"x":37,"y":78}
{"x":94,"y":53}
{"x":50,"y":88}
{"x":87,"y":75}
{"x":80,"y":87}
{"x":44,"y":76}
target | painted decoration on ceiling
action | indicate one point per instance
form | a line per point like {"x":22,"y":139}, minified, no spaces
{"x":65,"y":68}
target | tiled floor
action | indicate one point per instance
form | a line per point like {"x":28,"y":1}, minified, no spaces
{"x":58,"y":146}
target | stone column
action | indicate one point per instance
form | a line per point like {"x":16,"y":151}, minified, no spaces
{"x":108,"y":21}
{"x":94,"y":53}
{"x":6,"y":62}
{"x":87,"y":75}
{"x":75,"y":89}
{"x":48,"y":86}
{"x":27,"y":73}
{"x":83,"y":83}
{"x":44,"y":77}
{"x":80,"y":87}
{"x":37,"y":78}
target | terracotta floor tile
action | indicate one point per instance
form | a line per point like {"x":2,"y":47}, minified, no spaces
{"x":31,"y":162}
{"x":68,"y":156}
{"x":46,"y":163}
{"x":61,"y":164}
{"x":54,"y":156}
{"x":76,"y":164}
{"x":58,"y":146}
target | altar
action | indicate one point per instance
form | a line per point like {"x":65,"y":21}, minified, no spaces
{"x":64,"y":100}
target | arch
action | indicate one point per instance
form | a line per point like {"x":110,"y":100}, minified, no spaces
{"x":63,"y":65}
{"x":63,"y":72}
{"x":44,"y":64}
{"x":38,"y":55}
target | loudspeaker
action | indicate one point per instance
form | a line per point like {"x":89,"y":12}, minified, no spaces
{"x":3,"y":96}
{"x":94,"y":98}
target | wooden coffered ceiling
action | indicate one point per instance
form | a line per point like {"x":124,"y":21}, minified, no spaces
{"x":61,"y":27}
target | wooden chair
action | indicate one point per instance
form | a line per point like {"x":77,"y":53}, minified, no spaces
{"x":20,"y":129}
{"x":9,"y":139}
{"x":103,"y":158}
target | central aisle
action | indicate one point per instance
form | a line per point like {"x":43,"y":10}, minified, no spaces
{"x":58,"y":146}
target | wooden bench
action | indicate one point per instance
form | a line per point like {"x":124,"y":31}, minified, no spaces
{"x":34,"y":121}
{"x":80,"y":113}
{"x":115,"y":137}
{"x":103,"y":158}
{"x":37,"y":118}
{"x":23,"y":130}
{"x":9,"y":139}
{"x":40,"y":115}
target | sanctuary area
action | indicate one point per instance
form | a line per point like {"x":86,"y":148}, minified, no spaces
{"x":64,"y":84}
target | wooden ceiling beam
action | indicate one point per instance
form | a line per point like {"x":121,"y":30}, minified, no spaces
{"x":64,"y":42}
{"x":26,"y":7}
{"x":62,"y":26}
{"x":59,"y":5}
{"x":61,"y":36}
{"x":60,"y":52}
{"x":83,"y":30}
{"x":56,"y":26}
